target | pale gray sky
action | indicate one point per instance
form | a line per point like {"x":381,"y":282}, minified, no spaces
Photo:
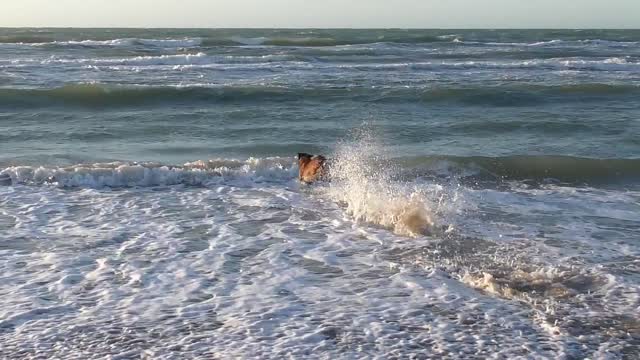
{"x":323,"y":13}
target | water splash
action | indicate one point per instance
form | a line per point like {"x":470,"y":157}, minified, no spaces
{"x":361,"y":179}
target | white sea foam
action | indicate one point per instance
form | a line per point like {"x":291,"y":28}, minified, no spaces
{"x":120,"y":174}
{"x":114,"y":42}
{"x":253,"y":264}
{"x":283,"y":61}
{"x":179,"y":59}
{"x":235,"y":270}
{"x":125,"y":42}
{"x":606,"y":64}
{"x":552,"y":43}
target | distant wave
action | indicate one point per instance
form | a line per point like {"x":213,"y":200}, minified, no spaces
{"x":528,"y":94}
{"x":88,"y":43}
{"x":186,"y":42}
{"x":608,"y":64}
{"x":511,"y":95}
{"x":108,"y":95}
{"x":302,"y":61}
{"x":555,"y":42}
{"x":125,"y":42}
{"x":329,"y":41}
{"x":178,"y":59}
{"x":567,"y":169}
{"x":104,"y":95}
{"x":223,"y":41}
{"x":297,"y":41}
{"x":188,"y":59}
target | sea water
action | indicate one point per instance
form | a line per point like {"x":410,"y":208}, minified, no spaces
{"x":484,"y":199}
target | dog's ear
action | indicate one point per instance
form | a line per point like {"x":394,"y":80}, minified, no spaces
{"x":304,"y":156}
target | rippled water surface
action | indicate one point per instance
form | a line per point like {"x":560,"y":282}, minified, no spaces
{"x":484,"y":199}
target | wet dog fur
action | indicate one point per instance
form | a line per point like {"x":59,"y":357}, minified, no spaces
{"x":312,"y":168}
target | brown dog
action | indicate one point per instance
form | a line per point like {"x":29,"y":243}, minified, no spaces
{"x":312,"y":167}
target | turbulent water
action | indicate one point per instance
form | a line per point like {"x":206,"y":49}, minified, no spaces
{"x":484,"y":197}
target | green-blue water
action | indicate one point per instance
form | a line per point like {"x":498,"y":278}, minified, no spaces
{"x":178,"y":95}
{"x":149,"y":203}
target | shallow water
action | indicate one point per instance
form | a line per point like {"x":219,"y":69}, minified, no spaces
{"x":484,"y":202}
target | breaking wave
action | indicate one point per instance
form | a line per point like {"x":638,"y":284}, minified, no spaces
{"x":126,"y":174}
{"x":551,"y":43}
{"x":125,"y":42}
{"x":301,"y":61}
{"x":363,"y":177}
{"x":320,"y":39}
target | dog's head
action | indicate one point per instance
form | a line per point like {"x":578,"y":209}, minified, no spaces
{"x":311,"y":167}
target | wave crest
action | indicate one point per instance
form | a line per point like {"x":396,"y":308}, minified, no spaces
{"x":96,"y":94}
{"x":123,"y":174}
{"x":568,"y":169}
{"x":122,"y":42}
{"x":363,"y":178}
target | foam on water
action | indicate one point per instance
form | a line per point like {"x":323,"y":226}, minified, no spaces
{"x":552,"y":43}
{"x":178,"y":59}
{"x":202,"y":60}
{"x":607,"y":64}
{"x":125,"y":42}
{"x":250,"y":262}
{"x":121,"y":174}
{"x":230,"y":271}
{"x":114,"y":42}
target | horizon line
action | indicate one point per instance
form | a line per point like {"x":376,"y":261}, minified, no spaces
{"x":316,"y":28}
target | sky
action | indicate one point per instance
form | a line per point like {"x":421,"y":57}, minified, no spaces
{"x":322,"y":13}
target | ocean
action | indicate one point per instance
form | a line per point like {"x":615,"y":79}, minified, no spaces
{"x":484,"y":199}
